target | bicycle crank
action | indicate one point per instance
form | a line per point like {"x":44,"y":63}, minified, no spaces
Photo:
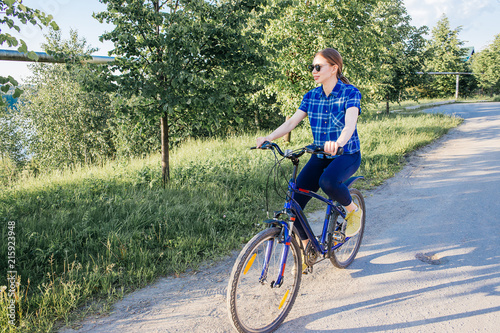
{"x":310,"y":256}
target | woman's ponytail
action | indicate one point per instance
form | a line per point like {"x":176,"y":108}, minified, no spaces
{"x":342,"y":78}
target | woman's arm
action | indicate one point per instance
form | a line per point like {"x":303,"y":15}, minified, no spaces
{"x":285,"y":128}
{"x":351,"y":118}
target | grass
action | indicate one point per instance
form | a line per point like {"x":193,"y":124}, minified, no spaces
{"x":89,"y":236}
{"x":381,"y":106}
{"x":424,"y":103}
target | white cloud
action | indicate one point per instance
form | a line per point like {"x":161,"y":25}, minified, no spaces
{"x":425,"y":12}
{"x":479,"y":19}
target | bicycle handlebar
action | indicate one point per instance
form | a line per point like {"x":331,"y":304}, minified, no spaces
{"x":315,"y":149}
{"x":312,"y":149}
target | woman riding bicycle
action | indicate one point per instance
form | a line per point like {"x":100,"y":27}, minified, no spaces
{"x":333,"y":109}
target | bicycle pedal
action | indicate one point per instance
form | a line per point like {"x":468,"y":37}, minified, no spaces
{"x":338,"y":237}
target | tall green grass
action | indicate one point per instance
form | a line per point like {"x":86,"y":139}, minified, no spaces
{"x":96,"y":233}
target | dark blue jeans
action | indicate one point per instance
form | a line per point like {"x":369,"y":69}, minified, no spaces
{"x":330,"y":175}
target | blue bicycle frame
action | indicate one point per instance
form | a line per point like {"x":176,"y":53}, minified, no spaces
{"x":293,"y":206}
{"x":294,"y":211}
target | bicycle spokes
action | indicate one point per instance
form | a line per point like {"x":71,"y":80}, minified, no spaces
{"x":343,"y":254}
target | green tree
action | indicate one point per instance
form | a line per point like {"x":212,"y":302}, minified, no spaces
{"x":302,"y":29}
{"x":402,"y":54}
{"x":71,"y":124}
{"x":377,"y":43}
{"x":487,"y":63}
{"x":468,"y":84}
{"x":133,"y":132}
{"x":13,"y":10}
{"x":446,"y":52}
{"x":12,"y":142}
{"x":186,"y":58}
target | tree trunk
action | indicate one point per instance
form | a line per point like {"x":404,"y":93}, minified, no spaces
{"x":387,"y":106}
{"x":288,"y":136}
{"x":256,"y":117}
{"x":165,"y":165}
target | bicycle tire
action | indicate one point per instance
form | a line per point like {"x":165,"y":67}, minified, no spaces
{"x":255,"y":306}
{"x":344,"y":255}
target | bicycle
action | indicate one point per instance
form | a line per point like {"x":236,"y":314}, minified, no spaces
{"x":265,"y":279}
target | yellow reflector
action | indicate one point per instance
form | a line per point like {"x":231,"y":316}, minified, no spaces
{"x":250,"y":263}
{"x":284,"y":299}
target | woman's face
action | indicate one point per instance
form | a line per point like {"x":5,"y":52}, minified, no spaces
{"x":327,"y":71}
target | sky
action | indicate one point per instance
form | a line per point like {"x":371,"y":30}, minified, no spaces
{"x":68,"y":14}
{"x":479,"y":20}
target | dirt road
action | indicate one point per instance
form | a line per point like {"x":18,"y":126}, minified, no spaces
{"x":429,"y":262}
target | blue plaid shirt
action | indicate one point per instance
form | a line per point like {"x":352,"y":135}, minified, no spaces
{"x":327,"y":113}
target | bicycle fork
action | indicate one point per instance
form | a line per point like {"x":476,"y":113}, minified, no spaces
{"x":284,"y":254}
{"x":286,"y":239}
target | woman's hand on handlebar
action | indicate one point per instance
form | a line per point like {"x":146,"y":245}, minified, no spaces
{"x":261,"y":140}
{"x":331,"y":147}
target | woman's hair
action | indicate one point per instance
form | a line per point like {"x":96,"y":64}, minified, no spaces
{"x":333,"y":57}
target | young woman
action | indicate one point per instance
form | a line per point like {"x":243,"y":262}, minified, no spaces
{"x":333,"y":109}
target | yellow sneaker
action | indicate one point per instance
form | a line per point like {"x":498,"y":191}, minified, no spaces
{"x":304,"y":265}
{"x":353,"y":222}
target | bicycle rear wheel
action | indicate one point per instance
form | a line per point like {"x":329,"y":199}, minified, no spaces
{"x":344,"y":255}
{"x":255,"y":304}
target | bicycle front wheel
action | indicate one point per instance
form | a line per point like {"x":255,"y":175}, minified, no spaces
{"x":255,"y":302}
{"x":344,"y":255}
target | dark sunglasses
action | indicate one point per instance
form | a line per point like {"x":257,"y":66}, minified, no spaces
{"x":315,"y":67}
